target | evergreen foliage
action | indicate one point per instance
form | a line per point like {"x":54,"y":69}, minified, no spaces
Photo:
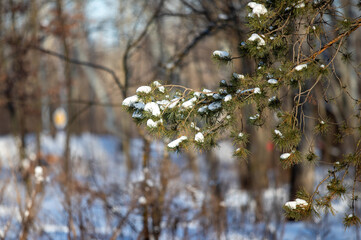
{"x":196,"y":118}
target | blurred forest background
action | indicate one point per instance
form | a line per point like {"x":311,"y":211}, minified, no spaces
{"x":103,"y":177}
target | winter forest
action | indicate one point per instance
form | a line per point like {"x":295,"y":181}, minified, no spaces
{"x":180,"y":119}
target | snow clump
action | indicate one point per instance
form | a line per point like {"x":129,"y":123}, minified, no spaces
{"x":238,"y":76}
{"x":137,"y":114}
{"x":272,"y":81}
{"x":272,"y":99}
{"x":257,"y":9}
{"x":257,"y":90}
{"x":203,"y":109}
{"x":255,"y":37}
{"x":39,"y":174}
{"x":285,"y":156}
{"x":199,"y":137}
{"x":159,"y":86}
{"x":189,"y":103}
{"x":278,"y":133}
{"x":142,"y":200}
{"x":139,"y":105}
{"x":130,"y":101}
{"x":144,"y":89}
{"x":254,"y":117}
{"x":298,"y":202}
{"x":214,"y":106}
{"x":176,"y":142}
{"x":300,"y":67}
{"x":300,"y":5}
{"x":154,"y":124}
{"x":163,"y":103}
{"x":153,"y":108}
{"x":193,"y":125}
{"x":227,"y":98}
{"x":207,"y":92}
{"x":217,"y":96}
{"x":221,"y":54}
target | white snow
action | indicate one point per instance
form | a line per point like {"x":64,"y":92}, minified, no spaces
{"x":254,"y":37}
{"x":300,"y":67}
{"x":197,"y":94}
{"x":257,"y":90}
{"x":238,"y":76}
{"x":207,"y":92}
{"x":227,"y":98}
{"x":285,"y":155}
{"x":142,"y":200}
{"x":296,"y":203}
{"x":300,"y":201}
{"x":176,"y":142}
{"x":161,"y":89}
{"x":214,"y":106}
{"x":137,"y":114}
{"x":153,"y":108}
{"x":272,"y":81}
{"x":221,"y":54}
{"x":163,"y":103}
{"x":239,"y":91}
{"x":169,"y":65}
{"x":254,"y":117}
{"x":272,"y":99}
{"x":154,"y":124}
{"x":174,"y":103}
{"x":223,"y":91}
{"x":39,"y":174}
{"x":157,"y":83}
{"x":144,"y":89}
{"x":199,"y":137}
{"x":217,"y":96}
{"x":159,"y":86}
{"x":257,"y":9}
{"x":193,"y":125}
{"x":291,"y":204}
{"x":222,"y":16}
{"x":130,"y":101}
{"x":203,"y":109}
{"x":300,"y":5}
{"x":189,"y":103}
{"x":139,"y":105}
{"x":278,"y":133}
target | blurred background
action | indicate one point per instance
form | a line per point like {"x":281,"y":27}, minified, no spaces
{"x":75,"y":166}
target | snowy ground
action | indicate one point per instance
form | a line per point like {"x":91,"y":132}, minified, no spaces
{"x":98,"y":163}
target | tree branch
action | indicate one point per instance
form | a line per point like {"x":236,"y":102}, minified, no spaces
{"x":79,"y":62}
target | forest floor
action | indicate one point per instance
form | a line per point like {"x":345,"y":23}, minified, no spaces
{"x":189,"y":214}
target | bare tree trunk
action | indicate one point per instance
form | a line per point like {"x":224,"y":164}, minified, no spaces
{"x":33,"y":19}
{"x":145,"y":232}
{"x":67,"y":157}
